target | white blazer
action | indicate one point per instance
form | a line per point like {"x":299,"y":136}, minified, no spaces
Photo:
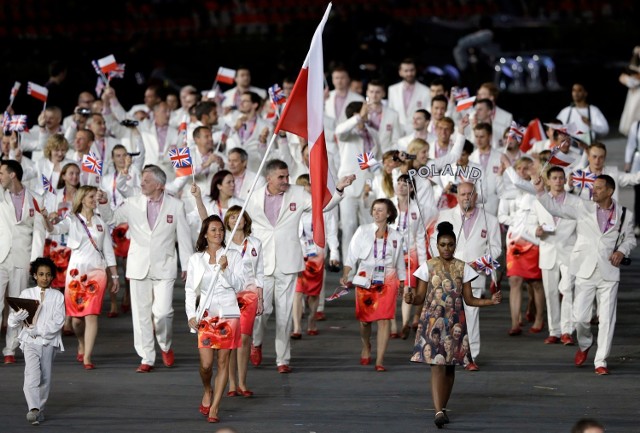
{"x":361,"y":247}
{"x":249,"y":177}
{"x":152,"y":154}
{"x":389,"y":131}
{"x":281,"y":244}
{"x":330,"y":105}
{"x":254,"y":272}
{"x":21,"y":242}
{"x":252,"y":145}
{"x":230,"y":95}
{"x":594,"y":248}
{"x":152,"y":253}
{"x":556,"y":246}
{"x":484,"y":237}
{"x":229,"y":282}
{"x":350,"y":144}
{"x":490,"y":181}
{"x":421,"y":99}
{"x":72,"y":226}
{"x":50,"y":318}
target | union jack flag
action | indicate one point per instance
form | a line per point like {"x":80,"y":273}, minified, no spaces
{"x":366,"y":160}
{"x":18,"y":122}
{"x":582,"y":179}
{"x":460,"y":93}
{"x":118,"y":72}
{"x":91,"y":164}
{"x":560,"y":158}
{"x":276,"y":94}
{"x":516,"y":132}
{"x":181,"y":161}
{"x":182,"y":129}
{"x":485,"y":264}
{"x":46,"y":184}
{"x":338,"y":293}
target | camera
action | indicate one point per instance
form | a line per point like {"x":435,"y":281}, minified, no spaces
{"x":129,"y":123}
{"x":453,"y":189}
{"x":626,"y":261}
{"x":405,"y":156}
{"x":83,"y":112}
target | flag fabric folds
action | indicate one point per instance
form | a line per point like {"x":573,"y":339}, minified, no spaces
{"x":92,"y":164}
{"x":181,"y":161}
{"x":559,"y":158}
{"x":534,"y":132}
{"x":37,"y":91}
{"x":303,"y":116}
{"x":582,"y":179}
{"x":18,"y":123}
{"x":46,"y":184}
{"x":465,"y":104}
{"x":107,"y":64}
{"x":366,"y":160}
{"x":226,"y":75}
{"x":516,"y":132}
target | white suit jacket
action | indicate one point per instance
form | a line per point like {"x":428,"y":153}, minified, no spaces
{"x":152,"y":253}
{"x":421,"y":99}
{"x":330,"y":105}
{"x":484,"y":238}
{"x":621,"y":179}
{"x":350,"y":144}
{"x":594,"y":248}
{"x":152,"y":148}
{"x":389,"y":131}
{"x":230,"y":95}
{"x":281,"y":244}
{"x":361,"y":246}
{"x":252,"y":145}
{"x":249,"y":177}
{"x":556,"y":246}
{"x":490,"y":181}
{"x":22,"y":241}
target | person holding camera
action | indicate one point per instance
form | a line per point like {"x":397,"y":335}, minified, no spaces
{"x":597,"y":270}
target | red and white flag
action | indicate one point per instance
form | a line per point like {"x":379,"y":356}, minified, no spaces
{"x":303,"y":115}
{"x":561,"y":159}
{"x":38,"y":92}
{"x":534,"y":132}
{"x":182,"y":130}
{"x":107,"y":64}
{"x":226,"y":75}
{"x":14,"y":92}
{"x":465,"y":104}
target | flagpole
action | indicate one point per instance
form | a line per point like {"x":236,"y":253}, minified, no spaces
{"x":207,"y":300}
{"x":44,"y":107}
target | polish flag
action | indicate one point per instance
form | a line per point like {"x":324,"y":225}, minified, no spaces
{"x":303,"y":116}
{"x":107,"y":64}
{"x":465,"y":104}
{"x":14,"y":92}
{"x":534,"y":132}
{"x":226,"y":75}
{"x":561,"y":159}
{"x":38,"y":92}
{"x":182,"y":129}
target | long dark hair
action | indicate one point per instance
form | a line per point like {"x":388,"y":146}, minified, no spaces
{"x":216,"y":181}
{"x":201,"y":243}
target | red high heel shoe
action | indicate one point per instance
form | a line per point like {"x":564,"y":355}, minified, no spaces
{"x":204,"y":410}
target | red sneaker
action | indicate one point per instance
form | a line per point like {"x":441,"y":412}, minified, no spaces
{"x":256,"y":355}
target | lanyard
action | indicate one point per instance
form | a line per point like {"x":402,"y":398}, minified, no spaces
{"x":93,"y":242}
{"x":244,"y":136}
{"x":219,"y":209}
{"x":304,"y":235}
{"x":384,"y":245}
{"x":113,"y":188}
{"x":244,"y":246}
{"x":609,"y":222}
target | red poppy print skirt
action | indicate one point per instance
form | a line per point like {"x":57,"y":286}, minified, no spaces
{"x":84,"y":291}
{"x":312,"y":278}
{"x":377,"y":302}
{"x":217,"y":333}
{"x":248,"y":303}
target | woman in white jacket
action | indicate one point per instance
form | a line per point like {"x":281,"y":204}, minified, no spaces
{"x":375,"y":251}
{"x":219,"y":329}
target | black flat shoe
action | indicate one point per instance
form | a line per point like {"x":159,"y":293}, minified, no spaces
{"x":440,"y":420}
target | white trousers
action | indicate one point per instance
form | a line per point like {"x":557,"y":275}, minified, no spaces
{"x":278,"y":291}
{"x":38,"y":363}
{"x":353,"y":213}
{"x":606,"y":293}
{"x":558,"y":281}
{"x":12,"y":281}
{"x":151,"y":310}
{"x":472,"y":315}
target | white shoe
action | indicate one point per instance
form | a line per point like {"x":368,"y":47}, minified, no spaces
{"x":33,"y":416}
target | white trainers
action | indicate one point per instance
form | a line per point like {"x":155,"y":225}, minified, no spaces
{"x":33,"y":416}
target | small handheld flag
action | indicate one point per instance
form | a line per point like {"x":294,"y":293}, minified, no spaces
{"x":118,"y":72}
{"x":181,"y":161}
{"x":38,"y":92}
{"x":516,"y":132}
{"x":460,"y":93}
{"x":182,"y":129}
{"x":582,"y":179}
{"x":107,"y":64}
{"x":559,"y":158}
{"x":91,"y":164}
{"x":14,"y":92}
{"x":276,"y":94}
{"x":486,"y":264}
{"x":465,"y":104}
{"x":18,"y":123}
{"x":226,"y":75}
{"x":6,"y":121}
{"x":46,"y":184}
{"x":366,"y":160}
{"x":338,"y":293}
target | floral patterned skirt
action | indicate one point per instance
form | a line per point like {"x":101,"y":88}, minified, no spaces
{"x":60,"y":254}
{"x":217,"y":333}
{"x":84,"y":290}
{"x":312,"y":278}
{"x":248,"y":303}
{"x":377,"y":302}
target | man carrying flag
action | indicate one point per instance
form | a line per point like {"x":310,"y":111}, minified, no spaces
{"x":277,"y":207}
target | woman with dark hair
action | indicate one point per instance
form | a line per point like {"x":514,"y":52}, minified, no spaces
{"x":446,"y":268}
{"x":249,"y":299}
{"x":219,"y":328}
{"x":91,"y":254}
{"x":375,"y":251}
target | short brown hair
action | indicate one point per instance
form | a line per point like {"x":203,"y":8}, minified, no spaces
{"x":391,"y":208}
{"x":235,"y":210}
